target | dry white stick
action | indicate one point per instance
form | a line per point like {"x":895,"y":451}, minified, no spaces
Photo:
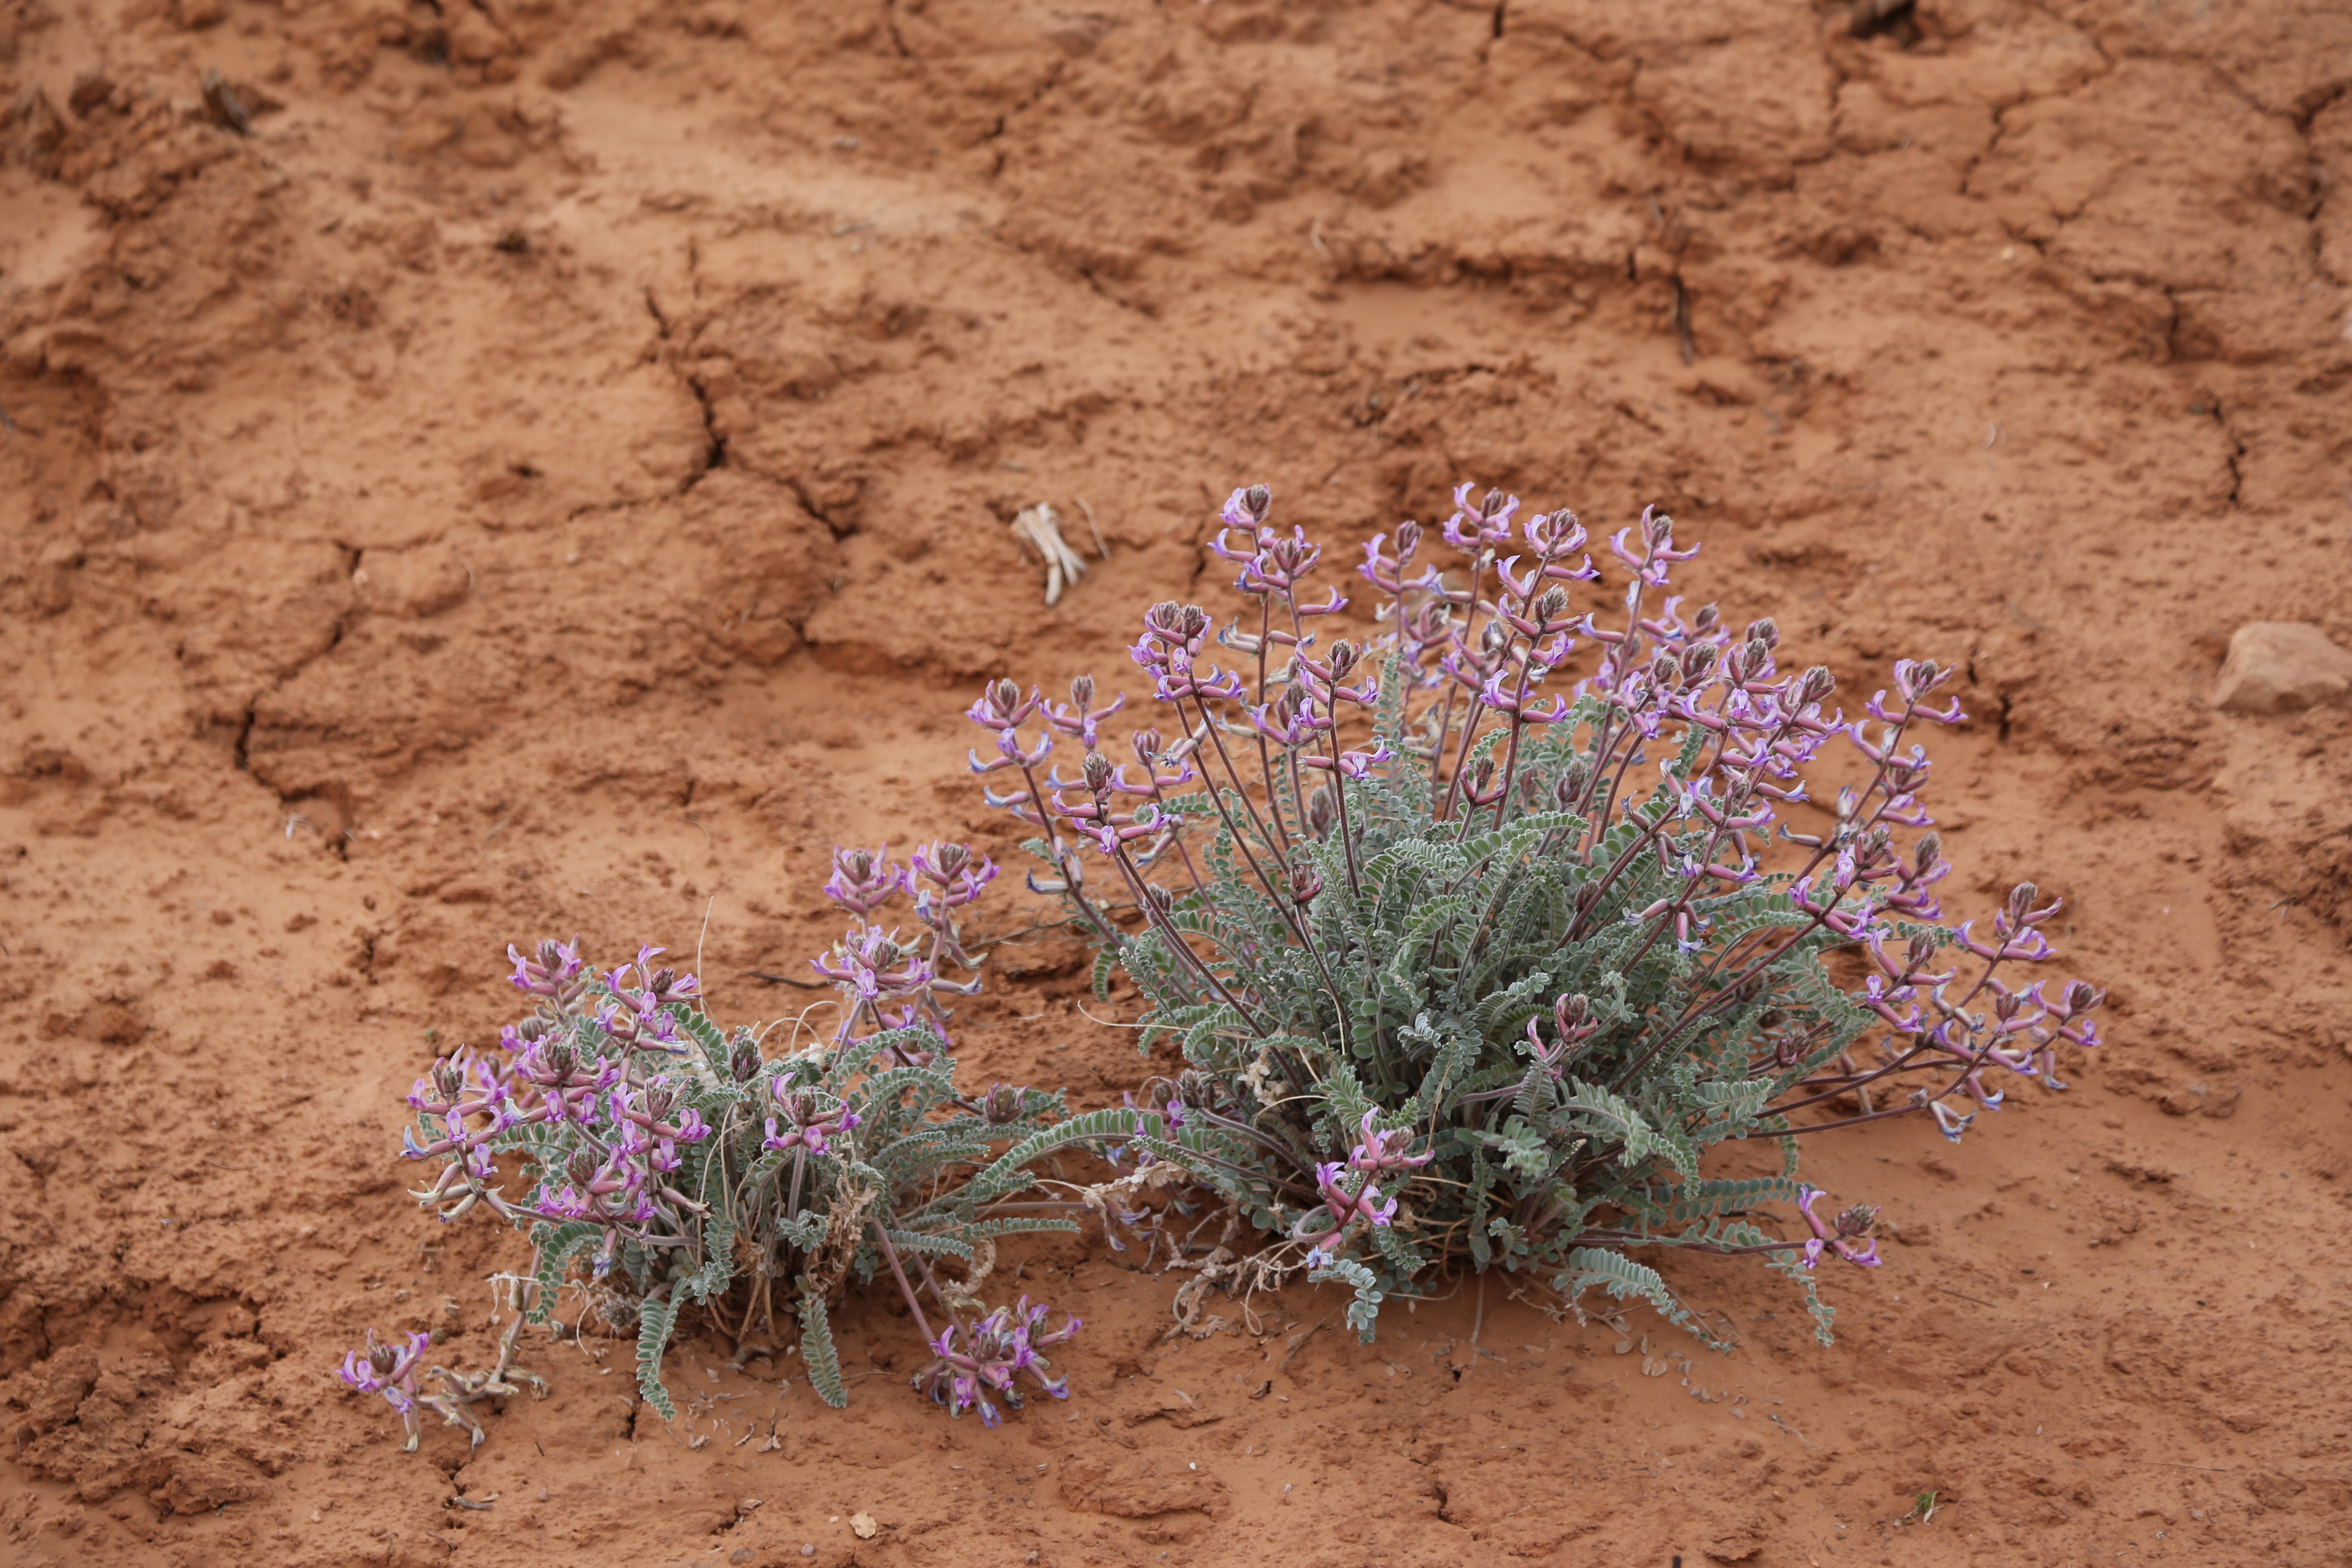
{"x":1037,"y":527}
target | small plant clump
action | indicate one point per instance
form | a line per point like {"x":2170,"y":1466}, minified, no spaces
{"x":1478,"y":937}
{"x":664,"y":1165}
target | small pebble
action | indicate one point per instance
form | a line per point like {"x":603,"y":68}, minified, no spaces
{"x":2278,"y":667}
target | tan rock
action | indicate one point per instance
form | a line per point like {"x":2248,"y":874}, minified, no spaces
{"x":2277,"y":667}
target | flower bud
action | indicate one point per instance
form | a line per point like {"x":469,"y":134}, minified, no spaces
{"x":743,"y":1060}
{"x":1319,"y":811}
{"x":1097,"y":770}
{"x":1343,"y":659}
{"x":448,"y":1078}
{"x":1660,"y":528}
{"x":1705,"y":620}
{"x":1408,"y":537}
{"x":1493,"y":505}
{"x":1551,"y":604}
{"x":1304,"y":883}
{"x":1001,"y":1106}
{"x":1765,"y":631}
{"x":1082,"y":692}
{"x":1146,"y":746}
{"x":1698,"y":662}
{"x":1008,"y":696}
{"x":1816,"y":684}
{"x":2020,"y":900}
{"x":1257,"y":500}
{"x":1926,"y":854}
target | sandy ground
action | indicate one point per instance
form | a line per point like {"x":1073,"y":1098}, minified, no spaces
{"x":552,"y":475}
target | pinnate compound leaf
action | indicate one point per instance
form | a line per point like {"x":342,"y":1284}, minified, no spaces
{"x":817,"y":1351}
{"x":654,"y":1320}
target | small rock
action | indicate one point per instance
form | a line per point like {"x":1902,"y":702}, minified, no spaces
{"x":2277,"y":667}
{"x":863,"y":1525}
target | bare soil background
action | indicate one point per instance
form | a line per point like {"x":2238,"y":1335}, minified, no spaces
{"x":552,"y":475}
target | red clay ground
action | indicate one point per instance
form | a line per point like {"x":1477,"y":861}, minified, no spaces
{"x":553,"y":476}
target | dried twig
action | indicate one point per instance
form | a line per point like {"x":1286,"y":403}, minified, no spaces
{"x":228,"y":111}
{"x":789,"y":980}
{"x":1299,"y":1343}
{"x":2177,"y":1465}
{"x":1101,"y":549}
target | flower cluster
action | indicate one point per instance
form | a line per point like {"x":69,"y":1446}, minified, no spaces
{"x":1849,"y":1239}
{"x":391,"y":1370}
{"x":1539,"y":886}
{"x":875,"y":967}
{"x":585,"y":1073}
{"x":967,"y":1364}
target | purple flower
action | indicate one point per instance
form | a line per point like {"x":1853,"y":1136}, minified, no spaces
{"x":1472,"y":529}
{"x":1080,"y":720}
{"x":1377,"y":1151}
{"x":876,"y":966}
{"x":967,"y":1365}
{"x":864,"y":880}
{"x":959,"y":872}
{"x":1850,"y":1239}
{"x":1002,"y":706}
{"x":548,"y":970}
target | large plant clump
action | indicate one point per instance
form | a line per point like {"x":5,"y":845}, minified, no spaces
{"x":1478,"y":937}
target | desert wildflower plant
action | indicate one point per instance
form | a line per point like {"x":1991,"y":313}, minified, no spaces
{"x":1479,"y":934}
{"x":662,"y":1166}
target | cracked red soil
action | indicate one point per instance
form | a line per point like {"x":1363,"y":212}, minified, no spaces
{"x":553,"y":475}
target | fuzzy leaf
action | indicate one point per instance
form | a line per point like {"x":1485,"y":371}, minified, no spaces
{"x":817,"y":1352}
{"x":654,"y":1320}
